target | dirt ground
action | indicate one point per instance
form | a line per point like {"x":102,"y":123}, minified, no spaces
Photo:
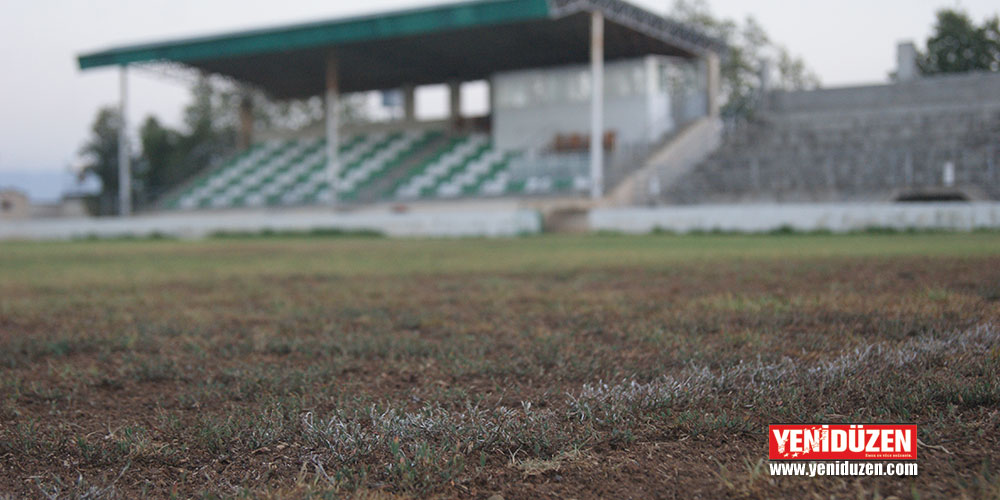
{"x":580,"y":367}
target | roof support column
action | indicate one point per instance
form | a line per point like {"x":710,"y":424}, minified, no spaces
{"x":455,"y":103}
{"x":713,"y":82}
{"x":409,"y":103}
{"x":124,"y":158}
{"x":491,"y":97}
{"x":245,"y":138}
{"x":597,"y":104}
{"x":332,"y":127}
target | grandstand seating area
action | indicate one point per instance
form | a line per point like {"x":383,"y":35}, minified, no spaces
{"x":379,"y":166}
{"x":934,"y":139}
{"x":849,"y":155}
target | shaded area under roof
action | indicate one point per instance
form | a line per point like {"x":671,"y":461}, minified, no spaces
{"x":464,"y":41}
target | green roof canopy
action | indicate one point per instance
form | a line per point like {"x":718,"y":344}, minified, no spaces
{"x":463,"y":41}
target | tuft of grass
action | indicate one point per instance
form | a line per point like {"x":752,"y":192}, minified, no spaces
{"x":307,"y":233}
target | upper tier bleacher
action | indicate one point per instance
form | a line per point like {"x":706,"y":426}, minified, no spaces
{"x":850,"y":155}
{"x":378,"y":166}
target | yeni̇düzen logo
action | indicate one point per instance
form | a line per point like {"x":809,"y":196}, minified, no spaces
{"x":842,"y":442}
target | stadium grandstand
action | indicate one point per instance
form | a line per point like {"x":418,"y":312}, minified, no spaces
{"x":581,"y":94}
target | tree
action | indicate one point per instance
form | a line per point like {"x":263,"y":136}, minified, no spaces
{"x":169,"y":157}
{"x":212,"y":122}
{"x":209,"y":135}
{"x":752,"y":62}
{"x":298,"y":114}
{"x":958,"y":45}
{"x":161,"y":154}
{"x":100,"y":158}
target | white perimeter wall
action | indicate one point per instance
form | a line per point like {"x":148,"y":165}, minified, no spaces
{"x":805,"y":217}
{"x":501,"y":221}
{"x":439,"y":223}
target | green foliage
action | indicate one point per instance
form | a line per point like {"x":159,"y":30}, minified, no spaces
{"x":959,"y":46}
{"x":311,"y":233}
{"x":753,"y":63}
{"x":211,"y":129}
{"x":209,"y":134}
{"x":169,"y":157}
{"x":211,"y":121}
{"x":161,"y":154}
{"x":100,"y":156}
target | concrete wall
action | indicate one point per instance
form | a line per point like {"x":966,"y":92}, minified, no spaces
{"x":435,"y":223}
{"x":805,"y":217}
{"x":535,"y":128}
{"x":67,"y":207}
{"x":14,"y":205}
{"x":644,"y":99}
{"x":497,"y":222}
{"x":970,"y":89}
{"x":857,"y":144}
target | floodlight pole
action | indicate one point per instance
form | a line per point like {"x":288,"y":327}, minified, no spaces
{"x":597,"y":104}
{"x":124,"y":159}
{"x":332,"y":126}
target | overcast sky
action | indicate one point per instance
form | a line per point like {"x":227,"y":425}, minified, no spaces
{"x":47,"y":104}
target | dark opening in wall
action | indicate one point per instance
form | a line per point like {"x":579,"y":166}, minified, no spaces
{"x":928,"y":196}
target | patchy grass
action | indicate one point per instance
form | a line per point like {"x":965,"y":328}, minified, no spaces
{"x":586,"y":367}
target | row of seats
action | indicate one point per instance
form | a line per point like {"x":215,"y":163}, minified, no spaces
{"x":294,"y":172}
{"x":414,"y":164}
{"x":454,"y":157}
{"x":469,"y":166}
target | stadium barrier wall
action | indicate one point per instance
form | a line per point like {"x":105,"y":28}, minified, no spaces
{"x":466,"y":223}
{"x":963,"y":90}
{"x":834,"y":217}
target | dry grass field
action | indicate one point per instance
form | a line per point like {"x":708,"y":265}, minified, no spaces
{"x":581,"y":367}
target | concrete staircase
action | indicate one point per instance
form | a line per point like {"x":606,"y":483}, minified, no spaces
{"x":669,"y":161}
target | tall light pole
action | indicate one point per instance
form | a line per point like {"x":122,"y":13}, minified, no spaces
{"x":597,"y":105}
{"x":124,"y":158}
{"x":332,"y":126}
